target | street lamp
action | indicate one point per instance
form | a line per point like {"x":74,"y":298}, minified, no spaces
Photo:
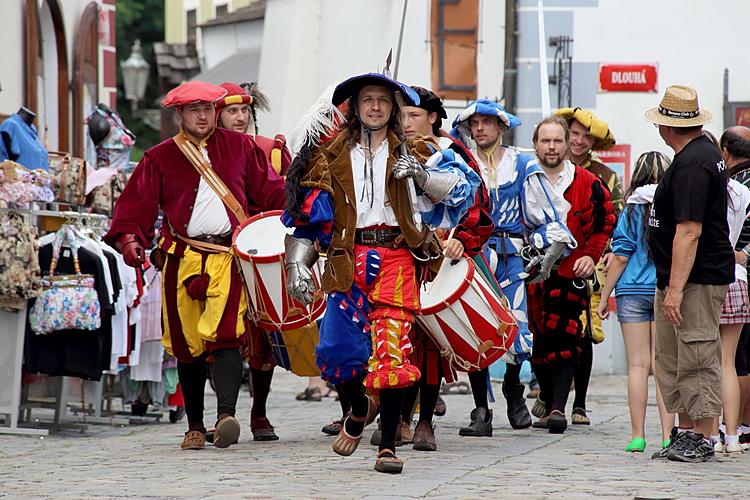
{"x":135,"y":71}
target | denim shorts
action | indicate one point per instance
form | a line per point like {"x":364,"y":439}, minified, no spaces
{"x":635,"y":308}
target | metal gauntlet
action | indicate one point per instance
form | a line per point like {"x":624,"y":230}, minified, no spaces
{"x":553,"y":253}
{"x":301,"y":255}
{"x":435,"y":184}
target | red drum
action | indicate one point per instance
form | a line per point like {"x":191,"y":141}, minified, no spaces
{"x":258,"y":245}
{"x":471,"y":324}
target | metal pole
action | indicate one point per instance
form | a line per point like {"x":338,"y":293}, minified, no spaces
{"x":543,"y":76}
{"x":400,"y":41}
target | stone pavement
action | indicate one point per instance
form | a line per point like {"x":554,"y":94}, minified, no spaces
{"x":144,"y":460}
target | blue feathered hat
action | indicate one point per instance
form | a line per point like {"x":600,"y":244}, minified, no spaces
{"x":351,"y":86}
{"x":462,"y":129}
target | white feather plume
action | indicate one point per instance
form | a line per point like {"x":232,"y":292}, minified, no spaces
{"x":319,"y":121}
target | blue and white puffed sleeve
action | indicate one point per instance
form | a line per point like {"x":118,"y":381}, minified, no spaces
{"x":447,"y":212}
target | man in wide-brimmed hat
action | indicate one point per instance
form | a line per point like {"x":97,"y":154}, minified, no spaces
{"x":354,"y":199}
{"x":204,"y":302}
{"x":689,"y":241}
{"x":589,"y":133}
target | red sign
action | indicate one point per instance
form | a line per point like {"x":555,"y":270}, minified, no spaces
{"x":742,"y":116}
{"x":618,"y":159}
{"x":628,"y":77}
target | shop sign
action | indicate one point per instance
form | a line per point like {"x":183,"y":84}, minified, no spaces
{"x":628,"y":77}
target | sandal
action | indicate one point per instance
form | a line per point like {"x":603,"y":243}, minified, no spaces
{"x":344,"y":444}
{"x":579,"y":417}
{"x":459,"y":387}
{"x":194,"y":440}
{"x":388,"y":462}
{"x":539,"y":409}
{"x":309,"y":394}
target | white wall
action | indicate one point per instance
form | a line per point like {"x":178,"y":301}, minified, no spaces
{"x":11,"y":74}
{"x":326,"y":41}
{"x":220,"y":42}
{"x":692,"y":49}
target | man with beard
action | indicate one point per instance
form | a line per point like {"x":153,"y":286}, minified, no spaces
{"x":424,"y":121}
{"x":555,"y":305}
{"x":355,"y":200}
{"x":511,"y":177}
{"x":204,"y":301}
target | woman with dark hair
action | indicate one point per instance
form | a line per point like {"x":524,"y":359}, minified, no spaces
{"x":633,"y":277}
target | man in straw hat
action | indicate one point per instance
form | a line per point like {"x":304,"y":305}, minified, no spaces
{"x":689,"y":241}
{"x":204,"y":302}
{"x":512,"y":178}
{"x":355,"y":200}
{"x":588,"y":133}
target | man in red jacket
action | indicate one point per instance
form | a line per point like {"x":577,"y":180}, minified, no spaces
{"x":204,"y":302}
{"x":555,"y":305}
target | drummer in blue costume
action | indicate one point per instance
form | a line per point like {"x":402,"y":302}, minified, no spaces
{"x":509,"y":176}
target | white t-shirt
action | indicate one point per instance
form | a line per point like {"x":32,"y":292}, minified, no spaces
{"x":737,"y":211}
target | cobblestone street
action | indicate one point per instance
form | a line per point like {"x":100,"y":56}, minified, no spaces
{"x":144,"y":460}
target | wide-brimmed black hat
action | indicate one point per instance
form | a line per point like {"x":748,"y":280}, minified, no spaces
{"x":351,"y":86}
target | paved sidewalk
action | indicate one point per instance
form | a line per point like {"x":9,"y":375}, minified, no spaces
{"x":145,"y":460}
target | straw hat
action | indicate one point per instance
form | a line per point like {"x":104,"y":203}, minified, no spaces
{"x":679,"y":108}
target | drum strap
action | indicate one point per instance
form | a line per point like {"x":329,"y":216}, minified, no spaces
{"x":211,"y":178}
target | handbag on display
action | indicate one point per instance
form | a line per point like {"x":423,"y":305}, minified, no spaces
{"x":68,"y":178}
{"x":67,"y":302}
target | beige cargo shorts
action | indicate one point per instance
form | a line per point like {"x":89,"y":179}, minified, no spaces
{"x":687,"y":362}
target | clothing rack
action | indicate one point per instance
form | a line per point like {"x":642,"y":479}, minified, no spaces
{"x":12,"y":333}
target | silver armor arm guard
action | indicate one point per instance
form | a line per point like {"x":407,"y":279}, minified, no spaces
{"x":301,"y":255}
{"x":553,"y":253}
{"x":435,"y":184}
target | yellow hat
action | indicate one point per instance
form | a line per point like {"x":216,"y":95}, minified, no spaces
{"x":598,"y":129}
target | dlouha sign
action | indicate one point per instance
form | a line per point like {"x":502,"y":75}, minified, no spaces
{"x":628,"y":77}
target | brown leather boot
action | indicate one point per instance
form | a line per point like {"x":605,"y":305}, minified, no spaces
{"x":424,"y":437}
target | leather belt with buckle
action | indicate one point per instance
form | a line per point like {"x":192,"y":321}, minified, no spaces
{"x":215,"y":239}
{"x":376,"y":237}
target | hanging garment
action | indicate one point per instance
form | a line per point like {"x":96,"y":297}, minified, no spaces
{"x":20,"y":276}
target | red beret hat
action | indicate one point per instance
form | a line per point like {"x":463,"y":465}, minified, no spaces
{"x":194,"y":91}
{"x":235,"y":95}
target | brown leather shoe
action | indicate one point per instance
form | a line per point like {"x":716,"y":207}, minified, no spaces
{"x":227,"y":432}
{"x":194,"y":440}
{"x":424,"y":437}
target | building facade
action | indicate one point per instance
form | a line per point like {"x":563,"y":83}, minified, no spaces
{"x":64,"y":65}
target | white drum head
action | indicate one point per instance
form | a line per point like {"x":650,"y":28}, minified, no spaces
{"x":265,"y":236}
{"x":445,"y":284}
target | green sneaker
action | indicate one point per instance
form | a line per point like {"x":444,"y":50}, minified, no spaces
{"x":636,"y":445}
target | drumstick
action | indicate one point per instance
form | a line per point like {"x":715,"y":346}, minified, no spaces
{"x":450,"y":237}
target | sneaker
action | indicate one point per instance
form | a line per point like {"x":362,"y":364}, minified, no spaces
{"x":718,"y":447}
{"x":692,"y":448}
{"x":674,"y":437}
{"x":733,"y":448}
